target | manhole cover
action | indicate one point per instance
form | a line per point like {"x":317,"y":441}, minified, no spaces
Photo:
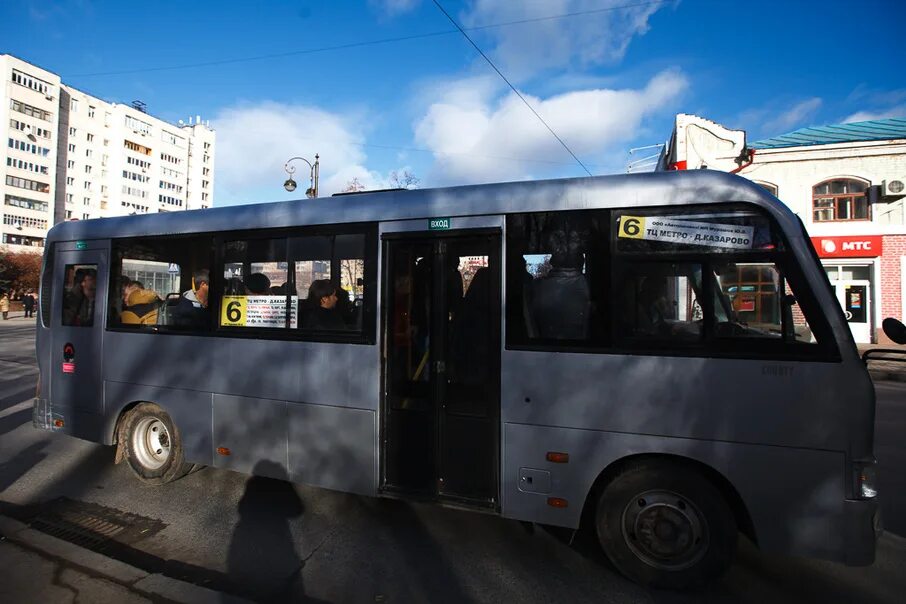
{"x":91,"y":525}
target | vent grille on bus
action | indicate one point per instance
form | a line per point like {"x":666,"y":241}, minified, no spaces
{"x":46,"y":285}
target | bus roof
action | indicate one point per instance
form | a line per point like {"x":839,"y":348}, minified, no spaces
{"x":598,"y":192}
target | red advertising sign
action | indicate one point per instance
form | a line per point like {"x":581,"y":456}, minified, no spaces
{"x":868,"y":246}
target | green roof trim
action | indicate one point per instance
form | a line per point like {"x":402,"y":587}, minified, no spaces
{"x":872,"y":130}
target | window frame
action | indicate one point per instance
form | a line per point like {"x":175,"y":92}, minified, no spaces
{"x":711,"y":346}
{"x":216,"y":240}
{"x":837,"y":198}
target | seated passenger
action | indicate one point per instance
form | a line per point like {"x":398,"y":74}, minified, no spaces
{"x":258,"y":284}
{"x":141,"y":308}
{"x":320,"y":311}
{"x":653,"y":308}
{"x":191,"y":309}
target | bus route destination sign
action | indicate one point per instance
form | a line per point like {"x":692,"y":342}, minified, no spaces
{"x":258,"y":311}
{"x":439,"y":224}
{"x":686,"y":232}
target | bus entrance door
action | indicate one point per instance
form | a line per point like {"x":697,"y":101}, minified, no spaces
{"x":441,"y":367}
{"x":77,"y":321}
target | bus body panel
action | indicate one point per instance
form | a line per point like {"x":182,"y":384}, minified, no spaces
{"x":736,"y":400}
{"x":339,"y":375}
{"x":795,"y":497}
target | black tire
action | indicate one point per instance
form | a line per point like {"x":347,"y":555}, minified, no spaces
{"x":152,"y":444}
{"x":663,"y":524}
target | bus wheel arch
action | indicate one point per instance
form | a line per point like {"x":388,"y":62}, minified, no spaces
{"x":701,"y":501}
{"x":149,"y":440}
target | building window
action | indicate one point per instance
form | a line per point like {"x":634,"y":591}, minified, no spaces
{"x":72,"y":131}
{"x":70,"y":181}
{"x":25,"y":183}
{"x":71,"y":148}
{"x":90,"y":111}
{"x":31,"y":111}
{"x":90,"y":137}
{"x":32,"y":82}
{"x":840,"y":199}
{"x":74,"y":105}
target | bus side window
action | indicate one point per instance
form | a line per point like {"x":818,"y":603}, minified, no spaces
{"x":557,"y":265}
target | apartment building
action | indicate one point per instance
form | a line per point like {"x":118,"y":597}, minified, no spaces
{"x":74,"y":156}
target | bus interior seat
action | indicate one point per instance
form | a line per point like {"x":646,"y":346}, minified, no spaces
{"x":165,"y":313}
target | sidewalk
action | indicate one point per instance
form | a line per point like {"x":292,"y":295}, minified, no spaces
{"x":35,"y":567}
{"x":882,"y":370}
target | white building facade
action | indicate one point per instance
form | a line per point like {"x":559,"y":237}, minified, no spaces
{"x":73,"y":156}
{"x":845,"y":182}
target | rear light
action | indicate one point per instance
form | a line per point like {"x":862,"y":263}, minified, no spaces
{"x":866,"y":478}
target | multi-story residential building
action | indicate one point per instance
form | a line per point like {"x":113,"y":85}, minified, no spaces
{"x":73,"y":156}
{"x":847,"y":182}
{"x":29,"y":115}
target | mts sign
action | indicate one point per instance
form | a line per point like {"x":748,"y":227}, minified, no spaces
{"x":869,"y":246}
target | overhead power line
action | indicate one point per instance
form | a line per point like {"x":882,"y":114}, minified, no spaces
{"x":513,"y":88}
{"x":320,"y":49}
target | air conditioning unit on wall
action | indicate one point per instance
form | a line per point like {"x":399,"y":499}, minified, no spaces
{"x":893,"y":188}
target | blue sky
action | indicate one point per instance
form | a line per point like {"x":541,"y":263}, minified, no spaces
{"x":376,"y":86}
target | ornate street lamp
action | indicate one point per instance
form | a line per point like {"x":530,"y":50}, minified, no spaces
{"x":290,"y":184}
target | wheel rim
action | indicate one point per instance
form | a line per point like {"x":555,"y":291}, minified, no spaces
{"x":665,"y":530}
{"x":151,"y":443}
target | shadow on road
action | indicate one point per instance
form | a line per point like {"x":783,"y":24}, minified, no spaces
{"x":262,"y":538}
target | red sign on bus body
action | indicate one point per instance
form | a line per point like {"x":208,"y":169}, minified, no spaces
{"x":848,"y":247}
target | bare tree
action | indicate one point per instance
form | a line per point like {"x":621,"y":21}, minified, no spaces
{"x":404,"y":180}
{"x":353,"y":186}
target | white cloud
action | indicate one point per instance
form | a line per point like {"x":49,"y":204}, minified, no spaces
{"x":527,"y":49}
{"x":793,"y":117}
{"x":862,"y":116}
{"x":476,"y":140}
{"x":255,"y":140}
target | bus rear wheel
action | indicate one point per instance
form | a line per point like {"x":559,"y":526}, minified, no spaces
{"x":665,"y":525}
{"x":152,"y":444}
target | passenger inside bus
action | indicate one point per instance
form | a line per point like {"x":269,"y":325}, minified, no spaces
{"x":191,"y":308}
{"x":560,"y":300}
{"x":258,"y":284}
{"x":78,"y":302}
{"x":142,"y":306}
{"x":321,"y":312}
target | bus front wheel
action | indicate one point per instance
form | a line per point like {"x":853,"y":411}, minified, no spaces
{"x":664,"y":525}
{"x":152,"y":445}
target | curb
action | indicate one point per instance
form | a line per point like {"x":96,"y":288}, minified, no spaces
{"x":152,"y":585}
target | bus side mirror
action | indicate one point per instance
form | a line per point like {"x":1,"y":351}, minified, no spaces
{"x":894,"y":329}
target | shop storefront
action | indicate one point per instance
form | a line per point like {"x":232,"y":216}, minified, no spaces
{"x":851,"y":264}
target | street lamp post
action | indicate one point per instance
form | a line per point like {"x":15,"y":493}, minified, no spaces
{"x":290,"y":184}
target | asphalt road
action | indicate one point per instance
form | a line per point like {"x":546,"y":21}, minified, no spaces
{"x":270,"y":540}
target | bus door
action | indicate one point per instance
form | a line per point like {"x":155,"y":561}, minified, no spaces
{"x":442,"y":366}
{"x":77,"y":321}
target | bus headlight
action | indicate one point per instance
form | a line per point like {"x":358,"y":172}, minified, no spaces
{"x":866,"y":478}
